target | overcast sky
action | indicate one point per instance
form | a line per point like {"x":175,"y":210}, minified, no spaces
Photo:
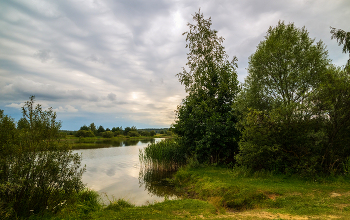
{"x":114,"y":62}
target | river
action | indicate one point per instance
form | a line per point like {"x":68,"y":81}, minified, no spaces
{"x":114,"y":172}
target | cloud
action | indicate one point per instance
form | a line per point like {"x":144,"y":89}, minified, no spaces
{"x":43,"y":55}
{"x":15,"y":105}
{"x":67,"y":108}
{"x":112,"y":97}
{"x":106,"y":59}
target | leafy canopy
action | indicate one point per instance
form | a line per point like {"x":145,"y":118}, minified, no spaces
{"x":204,"y":119}
{"x":280,"y":126}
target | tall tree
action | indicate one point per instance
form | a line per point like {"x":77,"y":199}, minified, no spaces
{"x":284,"y":72}
{"x":93,"y":128}
{"x":204,"y":119}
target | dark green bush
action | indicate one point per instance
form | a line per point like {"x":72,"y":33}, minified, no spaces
{"x":133,"y":134}
{"x":108,"y":134}
{"x":84,"y":133}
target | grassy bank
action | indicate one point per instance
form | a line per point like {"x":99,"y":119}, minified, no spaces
{"x":221,"y":193}
{"x":239,"y":190}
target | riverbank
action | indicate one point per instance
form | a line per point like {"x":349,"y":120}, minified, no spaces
{"x":100,"y":142}
{"x":221,"y":193}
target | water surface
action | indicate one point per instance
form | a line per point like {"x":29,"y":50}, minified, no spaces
{"x":114,"y":171}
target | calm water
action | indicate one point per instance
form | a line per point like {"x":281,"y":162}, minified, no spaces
{"x":114,"y":171}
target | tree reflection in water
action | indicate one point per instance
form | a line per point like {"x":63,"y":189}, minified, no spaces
{"x":157,"y":182}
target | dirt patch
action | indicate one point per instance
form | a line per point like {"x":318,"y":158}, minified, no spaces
{"x":335,"y":194}
{"x":272,"y":196}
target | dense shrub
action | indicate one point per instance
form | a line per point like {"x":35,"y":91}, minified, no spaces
{"x":108,"y":134}
{"x":84,"y":133}
{"x":35,"y":172}
{"x":133,"y":134}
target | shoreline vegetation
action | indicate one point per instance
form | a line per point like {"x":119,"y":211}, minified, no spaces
{"x":77,"y":143}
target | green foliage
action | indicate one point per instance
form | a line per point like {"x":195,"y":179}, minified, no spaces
{"x":100,"y":130}
{"x":145,"y":133}
{"x":133,"y":134}
{"x":343,"y":38}
{"x":332,"y":102}
{"x":84,"y":133}
{"x":35,"y":172}
{"x":128,"y":129}
{"x":166,"y":155}
{"x":114,"y":129}
{"x":84,"y":128}
{"x":152,"y":133}
{"x":282,"y":73}
{"x":22,"y":123}
{"x":117,"y":205}
{"x":92,"y":128}
{"x":281,"y":128}
{"x":108,"y":134}
{"x":204,"y":119}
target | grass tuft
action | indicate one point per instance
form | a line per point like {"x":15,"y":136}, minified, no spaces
{"x":167,"y":155}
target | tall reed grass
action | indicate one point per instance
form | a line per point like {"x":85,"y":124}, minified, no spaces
{"x":167,"y":155}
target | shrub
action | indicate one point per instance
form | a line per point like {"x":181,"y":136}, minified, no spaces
{"x":108,"y":134}
{"x":35,"y":171}
{"x":145,"y":133}
{"x":133,"y":134}
{"x":84,"y":133}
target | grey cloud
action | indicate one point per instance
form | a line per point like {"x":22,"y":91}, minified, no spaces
{"x":91,"y":53}
{"x":153,"y":107}
{"x":112,"y":96}
{"x":43,"y":55}
{"x":95,"y":58}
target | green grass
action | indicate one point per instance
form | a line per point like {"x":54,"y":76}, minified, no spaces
{"x":237,"y":190}
{"x":166,"y":155}
{"x":170,"y":209}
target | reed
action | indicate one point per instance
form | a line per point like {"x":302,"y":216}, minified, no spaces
{"x":167,"y":155}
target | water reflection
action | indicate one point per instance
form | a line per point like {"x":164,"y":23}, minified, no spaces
{"x":114,"y":170}
{"x":157,"y":182}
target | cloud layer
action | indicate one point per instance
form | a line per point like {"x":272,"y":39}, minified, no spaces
{"x":114,"y":62}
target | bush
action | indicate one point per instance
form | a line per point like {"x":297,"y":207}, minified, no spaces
{"x":108,"y":134}
{"x":133,"y":134}
{"x":145,"y":133}
{"x":84,"y":133}
{"x":36,"y":172}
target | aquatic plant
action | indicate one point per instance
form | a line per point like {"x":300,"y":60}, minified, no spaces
{"x":167,"y":155}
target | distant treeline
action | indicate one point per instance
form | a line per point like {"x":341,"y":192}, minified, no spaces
{"x":92,"y":131}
